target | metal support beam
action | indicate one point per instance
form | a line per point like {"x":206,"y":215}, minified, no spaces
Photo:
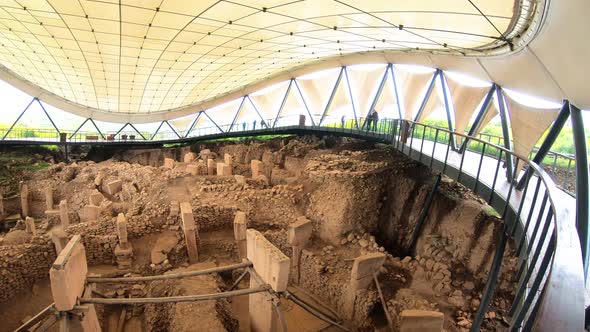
{"x":137,"y":131}
{"x":376,"y":97}
{"x":427,"y":96}
{"x":80,"y":127}
{"x":20,"y":116}
{"x":332,"y":95}
{"x":483,"y":111}
{"x":193,"y":124}
{"x":218,"y":127}
{"x":171,"y":127}
{"x":582,"y":182}
{"x":443,"y":84}
{"x":45,"y":111}
{"x":95,"y":126}
{"x":399,"y":107}
{"x":423,"y":216}
{"x":356,"y":121}
{"x":237,"y":113}
{"x":157,"y":130}
{"x":282,"y":104}
{"x":505,"y":132}
{"x":545,"y":147}
{"x":255,"y":108}
{"x":120,"y":130}
{"x":304,"y":103}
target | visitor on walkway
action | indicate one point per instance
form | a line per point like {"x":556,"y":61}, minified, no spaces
{"x":375,"y":120}
{"x":368,"y":121}
{"x":254,"y":125}
{"x":263,"y":124}
{"x":244,"y":126}
{"x":342,"y":122}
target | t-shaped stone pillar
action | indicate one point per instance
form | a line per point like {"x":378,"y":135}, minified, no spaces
{"x":24,"y":199}
{"x":90,"y":212}
{"x":169,"y":163}
{"x":228,"y":159}
{"x":49,"y":198}
{"x":273,"y":267}
{"x":223,"y":169}
{"x":30,"y":226}
{"x":256,"y":166}
{"x":361,"y":276}
{"x":190,"y":231}
{"x":190,"y":157}
{"x":298,"y":236}
{"x":59,"y":239}
{"x":211,"y":167}
{"x":123,"y":250}
{"x":421,"y":321}
{"x":96,"y":198}
{"x":63,"y":214}
{"x":240,"y":227}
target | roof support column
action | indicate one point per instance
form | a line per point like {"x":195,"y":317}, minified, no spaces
{"x":20,"y":116}
{"x":351,"y":98}
{"x":505,"y":132}
{"x":427,"y":96}
{"x":274,"y":123}
{"x":237,"y":113}
{"x":582,"y":176}
{"x":193,"y":124}
{"x":379,"y":90}
{"x":479,"y":118}
{"x":545,"y":147}
{"x":304,"y":103}
{"x":215,"y":123}
{"x":399,"y":107}
{"x":174,"y":130}
{"x":332,"y":95}
{"x":443,"y":84}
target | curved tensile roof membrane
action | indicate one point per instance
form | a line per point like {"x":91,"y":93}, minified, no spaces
{"x":140,"y":57}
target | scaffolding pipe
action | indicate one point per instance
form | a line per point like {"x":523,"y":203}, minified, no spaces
{"x":423,"y":215}
{"x":383,"y":303}
{"x":313,"y":311}
{"x":176,"y":299}
{"x":170,"y":276}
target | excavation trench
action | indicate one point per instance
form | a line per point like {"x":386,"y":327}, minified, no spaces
{"x":361,"y":199}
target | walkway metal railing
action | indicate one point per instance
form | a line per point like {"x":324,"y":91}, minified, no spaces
{"x":550,"y":289}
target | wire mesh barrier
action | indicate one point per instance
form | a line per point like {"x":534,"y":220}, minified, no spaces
{"x":539,"y":218}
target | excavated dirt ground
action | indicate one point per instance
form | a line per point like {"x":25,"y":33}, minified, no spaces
{"x":361,"y":198}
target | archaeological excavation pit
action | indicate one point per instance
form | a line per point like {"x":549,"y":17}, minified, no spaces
{"x":303,"y":233}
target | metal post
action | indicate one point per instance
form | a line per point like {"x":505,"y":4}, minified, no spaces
{"x":377,"y":95}
{"x":207,"y":115}
{"x":427,"y":96}
{"x":282,"y":103}
{"x":193,"y":124}
{"x":483,"y":111}
{"x":443,"y":83}
{"x":45,"y":111}
{"x":155,"y":132}
{"x":582,"y":194}
{"x":237,"y":113}
{"x":95,"y":126}
{"x":174,"y":130}
{"x":23,"y":112}
{"x":82,"y":125}
{"x":505,"y":132}
{"x":332,"y":96}
{"x":399,"y":108}
{"x":545,"y":147}
{"x":423,"y":216}
{"x":304,"y":103}
{"x":351,"y":98}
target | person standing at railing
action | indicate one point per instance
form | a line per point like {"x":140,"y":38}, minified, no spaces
{"x":254,"y":125}
{"x":244,"y":126}
{"x":375,"y":119}
{"x":342,"y":122}
{"x":368,"y":122}
{"x":263,"y":124}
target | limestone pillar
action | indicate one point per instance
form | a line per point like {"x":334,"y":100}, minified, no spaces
{"x":123,"y":250}
{"x":257,"y":168}
{"x":192,"y":169}
{"x":63,"y":214}
{"x":223,"y":169}
{"x":240,"y":227}
{"x":59,"y":239}
{"x":114,"y":187}
{"x":98,"y":179}
{"x":190,"y":157}
{"x":298,"y":236}
{"x":1,"y":206}
{"x":169,"y":163}
{"x":228,"y":159}
{"x":30,"y":226}
{"x":273,"y":268}
{"x":211,"y":167}
{"x":68,"y":277}
{"x":421,"y":321}
{"x":24,"y":199}
{"x":90,"y":212}
{"x":96,"y":198}
{"x":49,"y":198}
{"x":190,"y":231}
{"x":301,"y":120}
{"x":361,"y":276}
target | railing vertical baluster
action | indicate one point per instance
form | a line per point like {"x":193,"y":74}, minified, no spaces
{"x":461,"y":166}
{"x":495,"y":178}
{"x":434,"y":147}
{"x":412,"y":140}
{"x":447,"y":154}
{"x":422,"y":144}
{"x":483,"y":152}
